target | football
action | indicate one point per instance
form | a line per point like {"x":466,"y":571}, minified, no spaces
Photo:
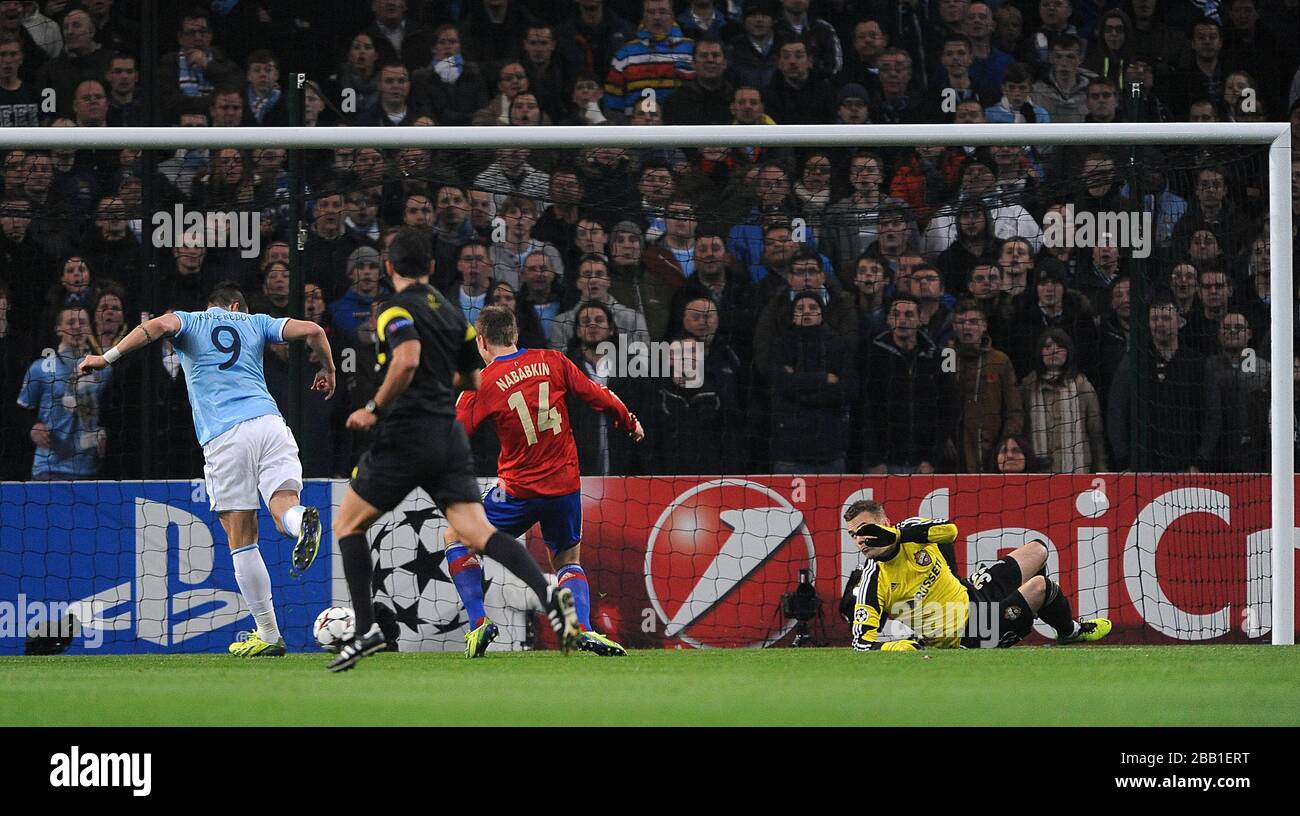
{"x":334,"y":627}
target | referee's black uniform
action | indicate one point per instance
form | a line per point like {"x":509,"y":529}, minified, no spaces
{"x":418,"y":441}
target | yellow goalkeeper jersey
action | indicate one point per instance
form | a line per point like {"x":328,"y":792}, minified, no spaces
{"x":915,"y":587}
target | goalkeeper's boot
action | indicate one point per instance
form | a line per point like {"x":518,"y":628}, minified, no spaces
{"x":477,"y":640}
{"x":563,"y":614}
{"x":1088,"y":631}
{"x":359,"y":647}
{"x":254,"y":646}
{"x":308,"y":544}
{"x":598,"y":644}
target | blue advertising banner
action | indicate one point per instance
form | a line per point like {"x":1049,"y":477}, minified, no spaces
{"x":142,"y":567}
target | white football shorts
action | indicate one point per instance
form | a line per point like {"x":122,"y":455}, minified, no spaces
{"x":258,"y":455}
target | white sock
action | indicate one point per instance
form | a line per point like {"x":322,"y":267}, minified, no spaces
{"x":292,"y":520}
{"x":255,"y":585}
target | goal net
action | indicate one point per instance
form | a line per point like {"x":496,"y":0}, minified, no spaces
{"x":1074,"y":334}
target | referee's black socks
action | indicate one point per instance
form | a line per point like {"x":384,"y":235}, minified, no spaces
{"x":357,"y":568}
{"x":512,"y":555}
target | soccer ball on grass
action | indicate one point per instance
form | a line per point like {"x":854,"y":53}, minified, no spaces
{"x":334,"y":627}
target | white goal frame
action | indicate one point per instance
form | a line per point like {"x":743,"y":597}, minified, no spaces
{"x":1276,"y":135}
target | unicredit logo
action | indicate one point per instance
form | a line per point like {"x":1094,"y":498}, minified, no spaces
{"x":718,"y":559}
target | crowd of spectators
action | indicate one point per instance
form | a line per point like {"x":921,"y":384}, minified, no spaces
{"x":900,"y":310}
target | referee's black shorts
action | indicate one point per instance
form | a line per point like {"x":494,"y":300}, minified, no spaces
{"x":1000,"y":615}
{"x":433,"y":454}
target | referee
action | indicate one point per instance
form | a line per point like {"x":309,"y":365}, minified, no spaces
{"x":428,"y":350}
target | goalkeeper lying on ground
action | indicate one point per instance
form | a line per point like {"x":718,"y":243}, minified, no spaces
{"x":907,"y":578}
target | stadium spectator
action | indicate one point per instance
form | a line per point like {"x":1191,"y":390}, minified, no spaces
{"x":473,"y":277}
{"x":852,"y":223}
{"x":558,"y":225}
{"x":530,"y":327}
{"x":452,"y":229}
{"x":823,"y":41}
{"x":511,"y":174}
{"x":274,"y":297}
{"x":542,"y":286}
{"x":75,"y":289}
{"x":1016,"y":105}
{"x":659,"y":60}
{"x":718,"y":278}
{"x":1202,"y":76}
{"x":112,"y":246}
{"x":1102,"y":102}
{"x":835,"y":307}
{"x":19,"y":99}
{"x":1110,"y":50}
{"x":451,"y":88}
{"x":549,"y":76}
{"x":866,"y":41}
{"x":870,"y":280}
{"x":394,"y":107}
{"x":591,"y":35}
{"x":34,"y":53}
{"x":602,"y":451}
{"x":266,"y":102}
{"x":197,"y":68}
{"x":70,"y":443}
{"x":1212,"y":209}
{"x":813,"y":382}
{"x":1185,"y":286}
{"x":352,"y":309}
{"x":592,"y":286}
{"x":519,"y":216}
{"x":673,"y":254}
{"x":975,"y":241}
{"x":649,"y":292}
{"x":397,"y":37}
{"x":813,"y":189}
{"x":797,"y":96}
{"x":907,"y":398}
{"x":15,"y":344}
{"x":82,"y":58}
{"x":126,"y":108}
{"x":1063,"y":91}
{"x":585,"y":102}
{"x":357,"y":78}
{"x":935,"y":315}
{"x":1201,"y":328}
{"x":706,"y":99}
{"x":1054,"y":28}
{"x":896,"y":103}
{"x":752,"y":53}
{"x":226,"y":107}
{"x":952,"y":82}
{"x":328,"y":247}
{"x":989,"y":63}
{"x":926,"y":179}
{"x":494,"y":30}
{"x":698,"y":420}
{"x":1175,"y":384}
{"x":991,"y":405}
{"x":1094,"y":280}
{"x":1063,"y":411}
{"x":978,"y":184}
{"x":1013,"y":454}
{"x":1051,"y":305}
{"x":1114,"y":330}
{"x":1236,"y":436}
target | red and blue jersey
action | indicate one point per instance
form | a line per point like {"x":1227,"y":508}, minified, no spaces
{"x":522,"y":394}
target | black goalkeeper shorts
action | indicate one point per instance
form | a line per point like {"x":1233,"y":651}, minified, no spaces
{"x":433,"y":454}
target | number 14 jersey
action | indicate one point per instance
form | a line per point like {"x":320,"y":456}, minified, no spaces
{"x":523,"y":395}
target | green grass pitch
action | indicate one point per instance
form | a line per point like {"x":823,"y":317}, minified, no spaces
{"x":1171,"y":685}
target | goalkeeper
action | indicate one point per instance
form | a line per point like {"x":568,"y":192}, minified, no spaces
{"x":907,"y":578}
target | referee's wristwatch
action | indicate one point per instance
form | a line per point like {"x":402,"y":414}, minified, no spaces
{"x":373,"y":407}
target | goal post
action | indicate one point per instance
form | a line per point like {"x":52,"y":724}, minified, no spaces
{"x":1276,"y":137}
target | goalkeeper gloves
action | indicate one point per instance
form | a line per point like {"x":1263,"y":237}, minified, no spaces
{"x":877,"y":535}
{"x":901,"y":646}
{"x":849,"y":598}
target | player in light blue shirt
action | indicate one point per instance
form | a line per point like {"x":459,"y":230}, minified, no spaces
{"x":247,"y":449}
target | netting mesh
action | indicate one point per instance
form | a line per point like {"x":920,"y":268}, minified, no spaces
{"x":1031,"y":341}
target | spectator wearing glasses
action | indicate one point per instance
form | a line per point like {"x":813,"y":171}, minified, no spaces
{"x":473,"y":279}
{"x":1212,"y":209}
{"x":512,"y":80}
{"x":1111,"y":50}
{"x":1200,"y":331}
{"x":196,"y":68}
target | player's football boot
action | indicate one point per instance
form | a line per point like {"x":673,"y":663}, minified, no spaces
{"x":357,"y":648}
{"x":1089,"y":631}
{"x":598,"y":644}
{"x":477,"y":640}
{"x":563,"y":614}
{"x":308,"y":544}
{"x":254,"y":646}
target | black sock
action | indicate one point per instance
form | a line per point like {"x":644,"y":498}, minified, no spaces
{"x":357,"y":567}
{"x":510,"y":554}
{"x":1056,"y":611}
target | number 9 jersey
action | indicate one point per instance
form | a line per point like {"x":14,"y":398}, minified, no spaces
{"x":221,"y":354}
{"x":523,"y":393}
